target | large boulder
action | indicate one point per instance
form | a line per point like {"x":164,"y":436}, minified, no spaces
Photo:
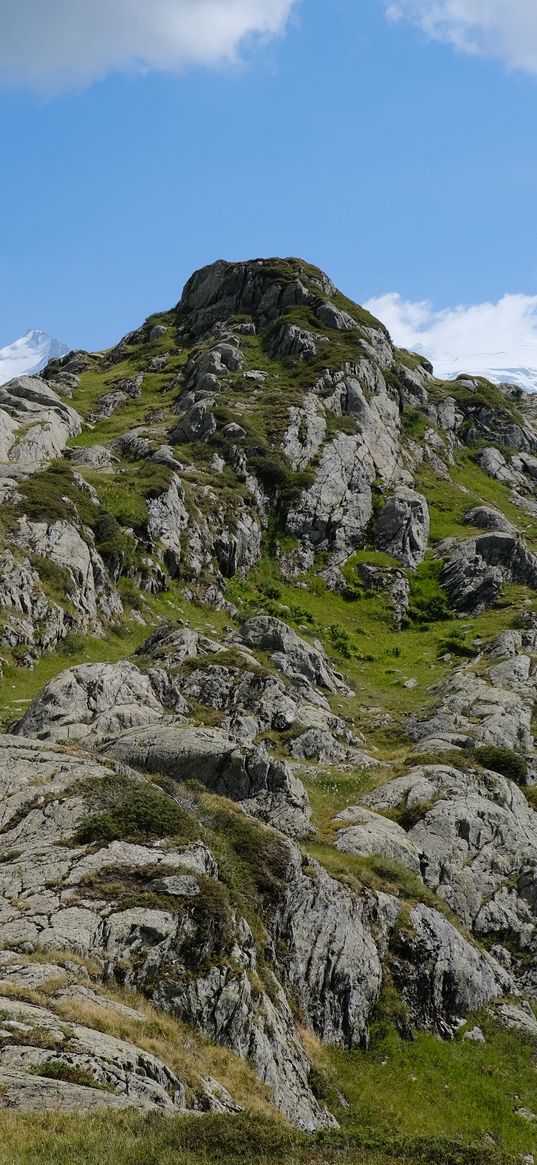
{"x":363,"y":833}
{"x":90,"y":592}
{"x":472,"y":709}
{"x":306,"y":433}
{"x":441,"y":976}
{"x":476,"y":570}
{"x":487,"y":518}
{"x":35,"y":423}
{"x":198,"y":424}
{"x":117,"y":1074}
{"x":475,"y":836}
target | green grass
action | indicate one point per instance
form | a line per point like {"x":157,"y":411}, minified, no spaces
{"x":335,"y":790}
{"x":124,"y":494}
{"x":380,"y":659}
{"x":429,"y":1088}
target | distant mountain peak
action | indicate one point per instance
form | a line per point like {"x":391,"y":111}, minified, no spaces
{"x":522,"y":377}
{"x":29,"y":355}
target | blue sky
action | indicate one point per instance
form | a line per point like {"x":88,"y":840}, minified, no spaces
{"x":398,"y":154}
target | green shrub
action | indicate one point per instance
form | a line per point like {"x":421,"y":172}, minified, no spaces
{"x":258,"y":858}
{"x":56,"y":580}
{"x":211,"y":915}
{"x":116,"y":547}
{"x":144,"y":815}
{"x":414,"y":423}
{"x":407,"y":816}
{"x":341,"y":641}
{"x":272,"y":472}
{"x":281,"y":482}
{"x":503,"y":760}
{"x":428,"y":600}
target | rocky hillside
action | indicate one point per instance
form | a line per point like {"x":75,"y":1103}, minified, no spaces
{"x":268,"y":833}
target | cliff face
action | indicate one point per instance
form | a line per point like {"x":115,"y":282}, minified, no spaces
{"x":269,"y":624}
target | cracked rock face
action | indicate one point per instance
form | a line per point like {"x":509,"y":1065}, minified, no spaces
{"x":334,"y":512}
{"x":403,"y":527}
{"x":332,"y":961}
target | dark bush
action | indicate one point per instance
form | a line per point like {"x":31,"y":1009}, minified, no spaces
{"x":272,"y":472}
{"x":503,"y":760}
{"x":455,"y":645}
{"x":145,"y":815}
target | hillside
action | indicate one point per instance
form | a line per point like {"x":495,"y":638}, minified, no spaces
{"x":268,"y":845}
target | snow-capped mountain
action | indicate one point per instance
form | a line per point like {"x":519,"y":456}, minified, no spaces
{"x":29,"y":355}
{"x":525,"y":378}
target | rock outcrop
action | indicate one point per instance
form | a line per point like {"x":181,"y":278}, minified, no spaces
{"x":476,"y":570}
{"x":35,"y":425}
{"x":267,"y":788}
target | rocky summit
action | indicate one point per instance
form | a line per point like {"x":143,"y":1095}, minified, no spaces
{"x":268,"y":814}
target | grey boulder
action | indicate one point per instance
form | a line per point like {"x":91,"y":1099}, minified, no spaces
{"x":94,"y":699}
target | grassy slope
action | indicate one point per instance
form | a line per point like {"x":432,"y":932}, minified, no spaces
{"x":154,"y":1140}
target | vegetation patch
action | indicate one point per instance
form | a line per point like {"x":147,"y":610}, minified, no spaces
{"x":69,"y":1073}
{"x":429,"y":602}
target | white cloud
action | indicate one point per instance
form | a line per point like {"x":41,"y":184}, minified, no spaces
{"x":485,"y":338}
{"x":61,"y":43}
{"x":501,"y":28}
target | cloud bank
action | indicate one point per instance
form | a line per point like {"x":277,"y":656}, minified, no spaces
{"x":484,"y":338}
{"x":500,"y":28}
{"x":56,"y":44}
